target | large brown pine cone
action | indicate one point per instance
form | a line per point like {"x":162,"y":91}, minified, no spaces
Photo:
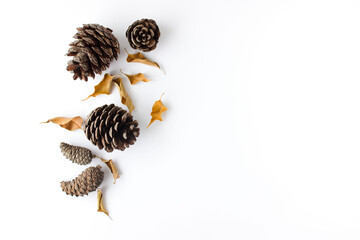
{"x":76,"y":154}
{"x":89,"y":180}
{"x":143,"y":34}
{"x":111,"y":127}
{"x":93,"y":51}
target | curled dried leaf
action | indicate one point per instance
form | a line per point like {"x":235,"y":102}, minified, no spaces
{"x":103,"y":87}
{"x":157,"y":109}
{"x":125,"y":98}
{"x":70,"y":124}
{"x":112,"y":168}
{"x":135,"y":78}
{"x":101,"y":207}
{"x":139,"y":58}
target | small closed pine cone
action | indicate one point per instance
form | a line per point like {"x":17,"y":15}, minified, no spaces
{"x":111,"y":127}
{"x":143,"y":35}
{"x":93,"y":51}
{"x":76,"y":154}
{"x":89,"y":180}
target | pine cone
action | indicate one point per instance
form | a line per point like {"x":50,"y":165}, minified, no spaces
{"x":93,"y":51}
{"x":111,"y":127}
{"x":89,"y":180}
{"x":76,"y":154}
{"x":143,"y":34}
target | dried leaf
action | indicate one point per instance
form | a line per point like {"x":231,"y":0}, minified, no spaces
{"x":125,"y":98}
{"x":112,"y":168}
{"x":103,"y":87}
{"x":157,"y":109}
{"x":70,"y":124}
{"x":139,"y":58}
{"x":101,"y":207}
{"x":135,"y":78}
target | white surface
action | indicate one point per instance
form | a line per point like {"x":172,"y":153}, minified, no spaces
{"x":261,"y":139}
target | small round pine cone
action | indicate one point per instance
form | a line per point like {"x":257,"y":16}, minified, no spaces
{"x":111,"y":127}
{"x":93,"y":51}
{"x":143,"y":35}
{"x":76,"y":154}
{"x":89,"y":180}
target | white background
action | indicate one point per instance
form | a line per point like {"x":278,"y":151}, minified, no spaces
{"x":260,"y":140}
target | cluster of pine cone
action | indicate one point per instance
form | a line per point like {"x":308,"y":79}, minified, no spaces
{"x":108,"y":127}
{"x":96,"y":46}
{"x":89,"y":180}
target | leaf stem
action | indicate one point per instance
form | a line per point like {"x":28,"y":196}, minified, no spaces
{"x":104,"y":160}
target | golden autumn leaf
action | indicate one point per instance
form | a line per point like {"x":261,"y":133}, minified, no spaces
{"x":157,"y":109}
{"x":70,"y":124}
{"x":135,"y":78}
{"x":103,"y":87}
{"x":101,"y":207}
{"x":139,"y":58}
{"x":125,"y":98}
{"x":112,"y":168}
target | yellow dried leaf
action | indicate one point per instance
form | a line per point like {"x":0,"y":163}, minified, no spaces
{"x":101,"y":207}
{"x":112,"y":168}
{"x":139,"y":58}
{"x":125,"y":98}
{"x":135,"y":78}
{"x":70,"y":124}
{"x":103,"y":87}
{"x":157,"y":109}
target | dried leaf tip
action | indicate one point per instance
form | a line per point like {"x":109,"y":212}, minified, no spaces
{"x":157,"y":109}
{"x":70,"y":124}
{"x":101,"y":207}
{"x":136,"y":78}
{"x":139,"y":58}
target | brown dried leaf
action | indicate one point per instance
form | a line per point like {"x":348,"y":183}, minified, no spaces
{"x":135,"y":78}
{"x":125,"y":98}
{"x":139,"y":58}
{"x":157,"y":109}
{"x":70,"y":124}
{"x":112,"y":168}
{"x":101,"y":207}
{"x":103,"y":87}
